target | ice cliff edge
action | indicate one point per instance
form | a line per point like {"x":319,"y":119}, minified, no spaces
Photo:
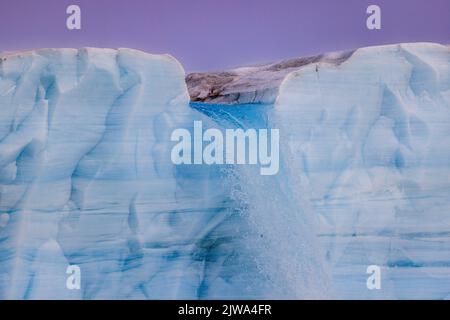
{"x":86,"y":177}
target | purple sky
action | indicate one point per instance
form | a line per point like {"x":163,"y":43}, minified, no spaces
{"x":216,"y":34}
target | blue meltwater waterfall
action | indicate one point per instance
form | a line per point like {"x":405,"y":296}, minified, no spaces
{"x":281,"y":226}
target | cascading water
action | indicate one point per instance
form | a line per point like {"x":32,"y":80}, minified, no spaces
{"x":280,"y":237}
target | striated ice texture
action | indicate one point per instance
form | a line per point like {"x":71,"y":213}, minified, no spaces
{"x":370,"y":140}
{"x":86,"y":178}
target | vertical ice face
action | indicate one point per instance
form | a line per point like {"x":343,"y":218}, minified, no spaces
{"x":86,"y":177}
{"x":370,"y":141}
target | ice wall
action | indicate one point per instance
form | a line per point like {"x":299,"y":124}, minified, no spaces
{"x":86,"y":177}
{"x":370,"y":143}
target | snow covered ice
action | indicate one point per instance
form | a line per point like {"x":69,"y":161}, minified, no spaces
{"x":86,"y":178}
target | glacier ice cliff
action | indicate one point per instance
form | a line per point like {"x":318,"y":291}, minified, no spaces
{"x":371,"y":141}
{"x":86,"y":177}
